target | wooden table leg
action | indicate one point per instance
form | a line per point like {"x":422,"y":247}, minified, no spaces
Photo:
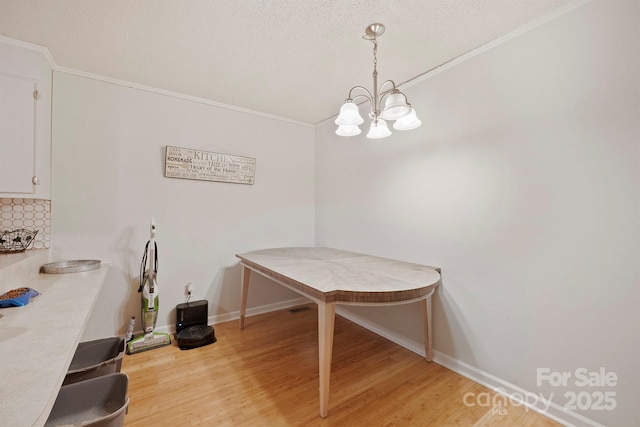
{"x":246,"y":272}
{"x":425,"y":309}
{"x":326,"y":321}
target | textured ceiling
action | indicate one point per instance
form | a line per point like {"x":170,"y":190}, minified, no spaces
{"x":294,"y":59}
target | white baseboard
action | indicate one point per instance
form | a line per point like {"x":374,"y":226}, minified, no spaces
{"x":498,"y":385}
{"x":253,"y":311}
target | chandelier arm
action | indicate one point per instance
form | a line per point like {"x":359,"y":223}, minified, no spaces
{"x":382,"y":94}
{"x":366,"y":94}
{"x":393,"y":87}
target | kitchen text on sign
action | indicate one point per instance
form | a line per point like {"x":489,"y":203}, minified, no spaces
{"x":189,"y":163}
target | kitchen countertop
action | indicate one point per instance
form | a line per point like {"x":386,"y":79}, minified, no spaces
{"x":38,"y":341}
{"x":18,"y":268}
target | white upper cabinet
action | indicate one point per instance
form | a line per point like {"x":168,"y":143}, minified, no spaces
{"x":17,"y":133}
{"x":25,"y":123}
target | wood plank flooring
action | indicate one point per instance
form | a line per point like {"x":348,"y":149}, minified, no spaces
{"x":267,"y":375}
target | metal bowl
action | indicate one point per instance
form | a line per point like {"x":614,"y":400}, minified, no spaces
{"x":74,"y":266}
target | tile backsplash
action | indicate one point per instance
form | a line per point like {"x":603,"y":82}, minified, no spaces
{"x":30,"y":214}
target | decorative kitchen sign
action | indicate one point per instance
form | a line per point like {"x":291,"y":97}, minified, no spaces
{"x":189,"y":163}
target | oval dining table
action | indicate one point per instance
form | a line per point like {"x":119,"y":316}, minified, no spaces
{"x":330,"y":276}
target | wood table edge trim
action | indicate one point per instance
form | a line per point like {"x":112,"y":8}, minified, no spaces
{"x":343,"y":296}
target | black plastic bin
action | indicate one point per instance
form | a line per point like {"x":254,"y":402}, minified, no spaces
{"x":96,"y":402}
{"x":95,"y":358}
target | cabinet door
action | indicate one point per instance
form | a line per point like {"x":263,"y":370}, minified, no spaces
{"x":17,"y":134}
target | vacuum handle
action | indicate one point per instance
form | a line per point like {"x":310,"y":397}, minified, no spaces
{"x":143,"y":265}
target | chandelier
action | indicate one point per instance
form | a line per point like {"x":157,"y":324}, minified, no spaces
{"x":396,"y":106}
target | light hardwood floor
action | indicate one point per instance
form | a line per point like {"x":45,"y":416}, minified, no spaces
{"x":267,"y":375}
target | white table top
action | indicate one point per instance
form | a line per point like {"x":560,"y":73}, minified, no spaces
{"x":38,"y":341}
{"x":335,"y":275}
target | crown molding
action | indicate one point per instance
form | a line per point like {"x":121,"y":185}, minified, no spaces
{"x":55,"y":67}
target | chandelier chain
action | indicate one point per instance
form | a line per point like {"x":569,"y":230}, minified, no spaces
{"x":375,"y":55}
{"x":375,"y":108}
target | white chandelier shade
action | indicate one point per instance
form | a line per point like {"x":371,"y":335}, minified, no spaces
{"x":348,"y":130}
{"x":408,"y":122}
{"x":378,"y":130}
{"x":349,"y":115}
{"x":396,"y":106}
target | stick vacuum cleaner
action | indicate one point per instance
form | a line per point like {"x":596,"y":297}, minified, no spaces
{"x":149,"y":290}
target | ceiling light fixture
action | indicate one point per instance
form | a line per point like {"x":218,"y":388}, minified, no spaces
{"x":396,"y":106}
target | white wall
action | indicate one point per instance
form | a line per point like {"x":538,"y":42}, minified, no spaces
{"x":108,"y":162}
{"x":522,"y":184}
